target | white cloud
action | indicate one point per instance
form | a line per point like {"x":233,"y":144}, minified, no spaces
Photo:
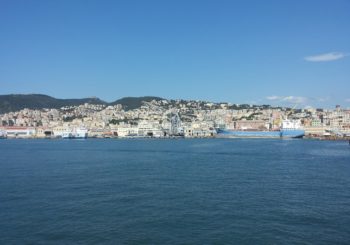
{"x":347,"y":100}
{"x":273,"y":97}
{"x":323,"y":99}
{"x":295,"y":99}
{"x":298,"y":101}
{"x":326,"y":57}
{"x":289,"y":99}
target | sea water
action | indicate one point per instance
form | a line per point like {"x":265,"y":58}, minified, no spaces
{"x":176,"y":191}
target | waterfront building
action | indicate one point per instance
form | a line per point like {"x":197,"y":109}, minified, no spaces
{"x":150,"y":128}
{"x":20,"y":132}
{"x":127,"y":131}
{"x":58,"y":131}
{"x":43,"y":132}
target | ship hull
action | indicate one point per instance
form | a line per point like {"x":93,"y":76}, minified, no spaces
{"x":260,"y":134}
{"x":295,"y":133}
{"x":74,"y":137}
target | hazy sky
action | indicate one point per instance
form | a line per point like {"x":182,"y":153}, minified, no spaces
{"x":275,"y":52}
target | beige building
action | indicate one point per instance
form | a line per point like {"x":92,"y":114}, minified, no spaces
{"x":20,"y":132}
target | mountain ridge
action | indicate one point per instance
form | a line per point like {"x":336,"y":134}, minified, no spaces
{"x":130,"y":103}
{"x":16,"y":102}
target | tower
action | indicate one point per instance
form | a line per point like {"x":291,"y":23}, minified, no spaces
{"x":175,"y":125}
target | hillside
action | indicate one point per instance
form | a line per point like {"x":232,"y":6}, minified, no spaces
{"x":130,"y":103}
{"x":16,"y":102}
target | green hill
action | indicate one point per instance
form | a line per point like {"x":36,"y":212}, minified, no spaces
{"x":130,"y":103}
{"x":16,"y":102}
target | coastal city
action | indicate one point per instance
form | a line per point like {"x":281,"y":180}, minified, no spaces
{"x":173,"y":118}
{"x":174,"y":122}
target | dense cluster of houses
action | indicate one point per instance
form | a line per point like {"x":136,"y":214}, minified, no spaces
{"x":163,"y":118}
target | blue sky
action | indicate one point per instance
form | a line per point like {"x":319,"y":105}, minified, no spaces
{"x":274,"y":52}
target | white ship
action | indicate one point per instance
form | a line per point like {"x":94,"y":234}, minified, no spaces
{"x":292,"y":129}
{"x":76,"y":133}
{"x":3,"y":134}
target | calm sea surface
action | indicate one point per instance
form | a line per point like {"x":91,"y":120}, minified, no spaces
{"x":186,"y":191}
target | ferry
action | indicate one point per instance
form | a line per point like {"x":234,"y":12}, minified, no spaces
{"x":77,"y":133}
{"x":292,"y":129}
{"x":289,"y":129}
